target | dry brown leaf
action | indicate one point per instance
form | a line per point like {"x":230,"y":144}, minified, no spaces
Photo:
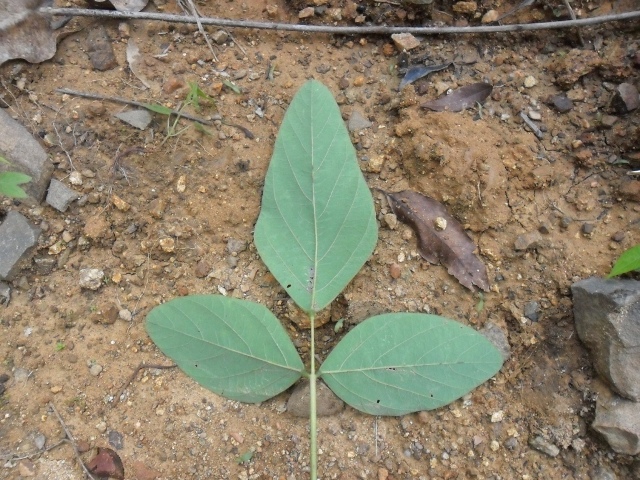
{"x":461,"y":99}
{"x":25,"y":33}
{"x":106,"y":463}
{"x":441,"y":238}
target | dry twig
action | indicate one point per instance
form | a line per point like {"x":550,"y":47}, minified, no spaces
{"x":379,"y":30}
{"x":194,"y":12}
{"x":72,"y":442}
{"x":95,"y":96}
{"x":133,"y":377}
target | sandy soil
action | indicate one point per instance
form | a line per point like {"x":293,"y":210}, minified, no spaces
{"x":157,"y":213}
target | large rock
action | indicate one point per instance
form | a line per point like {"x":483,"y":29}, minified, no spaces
{"x":607,"y":316}
{"x":25,"y":155}
{"x":618,"y":420}
{"x":17,"y":239}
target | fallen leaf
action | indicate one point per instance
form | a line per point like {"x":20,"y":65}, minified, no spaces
{"x":441,"y":238}
{"x":25,"y":33}
{"x":461,"y":99}
{"x":419,"y":71}
{"x":135,"y":61}
{"x":106,"y":463}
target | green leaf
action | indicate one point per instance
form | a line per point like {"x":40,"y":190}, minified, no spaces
{"x":9,"y":184}
{"x":628,"y":261}
{"x":400,"y":363}
{"x":235,"y":348}
{"x":317,"y":225}
{"x":196,"y":93}
{"x":154,"y":107}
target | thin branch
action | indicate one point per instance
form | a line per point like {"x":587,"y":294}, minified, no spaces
{"x":71,"y":441}
{"x":380,"y":30}
{"x":573,"y":17}
{"x":96,"y":96}
{"x":133,"y":377}
{"x":14,"y":457}
{"x":196,"y":15}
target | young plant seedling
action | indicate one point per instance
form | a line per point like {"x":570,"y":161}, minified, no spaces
{"x":628,"y":261}
{"x":316,"y":229}
{"x":191,"y":100}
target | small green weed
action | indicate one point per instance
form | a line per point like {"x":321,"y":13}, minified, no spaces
{"x":627,"y":262}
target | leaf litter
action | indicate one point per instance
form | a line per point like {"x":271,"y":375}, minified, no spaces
{"x":441,"y":238}
{"x":418,"y":72}
{"x":461,"y":99}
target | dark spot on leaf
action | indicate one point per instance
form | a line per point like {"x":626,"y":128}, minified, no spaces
{"x":377,"y":401}
{"x":289,"y":286}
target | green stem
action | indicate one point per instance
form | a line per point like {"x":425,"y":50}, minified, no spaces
{"x":312,"y":403}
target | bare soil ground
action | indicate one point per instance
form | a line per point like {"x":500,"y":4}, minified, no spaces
{"x":157,"y":213}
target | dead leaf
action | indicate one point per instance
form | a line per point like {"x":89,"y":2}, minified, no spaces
{"x":25,"y":33}
{"x":106,"y":463}
{"x":121,"y":5}
{"x":441,"y":238}
{"x":135,"y":61}
{"x":461,"y":99}
{"x":420,"y":71}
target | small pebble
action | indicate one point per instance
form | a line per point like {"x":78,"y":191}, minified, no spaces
{"x":101,"y":427}
{"x":497,"y":416}
{"x":530,"y":81}
{"x":618,"y":236}
{"x":95,"y":369}
{"x":395,"y":271}
{"x":544,"y":446}
{"x":561,"y":103}
{"x":56,"y":389}
{"x":532,"y":310}
{"x":125,"y":315}
{"x":565,"y":222}
{"x":75,"y":178}
{"x":588,"y":228}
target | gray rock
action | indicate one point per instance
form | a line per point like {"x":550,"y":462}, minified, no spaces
{"x":220,"y":37}
{"x":607,"y":316}
{"x":544,"y":446}
{"x":326,"y":401}
{"x":236,"y":246}
{"x":528,"y":240}
{"x":603,"y":473}
{"x":498,"y":338}
{"x":91,"y":278}
{"x":17,"y":238}
{"x":618,"y":420}
{"x":357,"y":122}
{"x":532,"y":311}
{"x":25,"y":155}
{"x":561,"y":103}
{"x":60,"y":196}
{"x":137,"y":118}
{"x":100,"y":49}
{"x":626,"y":98}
